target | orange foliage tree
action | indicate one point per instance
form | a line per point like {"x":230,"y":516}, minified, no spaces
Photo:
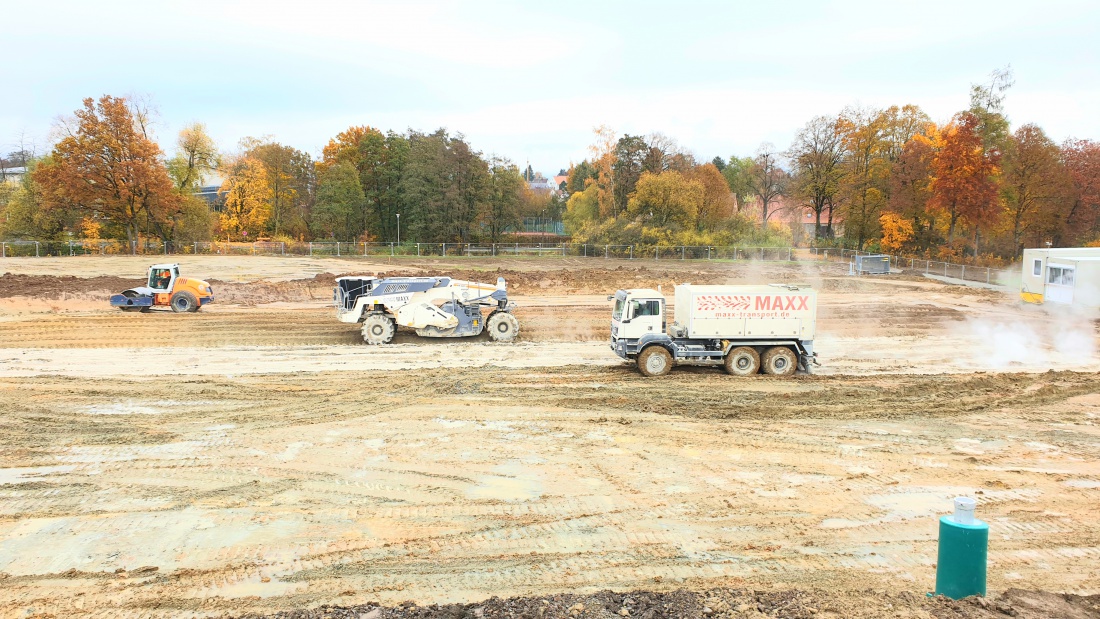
{"x":896,"y":231}
{"x":964,"y":183}
{"x":107,"y":167}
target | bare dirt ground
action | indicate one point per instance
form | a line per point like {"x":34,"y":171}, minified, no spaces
{"x":256,"y":458}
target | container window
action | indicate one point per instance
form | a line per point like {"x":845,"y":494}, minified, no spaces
{"x":1037,"y":267}
{"x":1062,"y":276}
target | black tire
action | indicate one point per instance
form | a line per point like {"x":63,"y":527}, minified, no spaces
{"x":184,"y":301}
{"x":378,"y":329}
{"x":743,"y":361}
{"x":655,"y":361}
{"x":502,"y":327}
{"x":779,"y":361}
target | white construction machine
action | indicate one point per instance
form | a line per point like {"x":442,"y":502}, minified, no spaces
{"x":432,"y":306}
{"x":745,"y":329}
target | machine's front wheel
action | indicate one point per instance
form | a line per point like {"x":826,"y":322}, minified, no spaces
{"x":132,"y":308}
{"x":743,"y":361}
{"x":184,"y":301}
{"x":502,"y":327}
{"x":779,"y":361}
{"x":378,"y":329}
{"x":655,"y":361}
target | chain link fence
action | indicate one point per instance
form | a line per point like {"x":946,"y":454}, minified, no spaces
{"x":22,"y":248}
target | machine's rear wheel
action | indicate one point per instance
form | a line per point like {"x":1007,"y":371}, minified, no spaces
{"x":502,"y":327}
{"x":743,"y":361}
{"x":378,"y":329}
{"x":184,"y":301}
{"x":655,"y":361}
{"x":779,"y":361}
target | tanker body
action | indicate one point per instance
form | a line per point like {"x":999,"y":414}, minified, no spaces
{"x":745,"y":329}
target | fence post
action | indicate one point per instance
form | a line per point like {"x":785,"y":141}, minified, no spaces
{"x":3,"y":250}
{"x":945,"y":269}
{"x":444,"y":250}
{"x":789,"y":253}
{"x":418,"y":250}
{"x":963,"y":276}
{"x":337,"y":249}
{"x":391,"y":249}
{"x":987,"y":275}
{"x":311,"y":248}
{"x":36,"y":249}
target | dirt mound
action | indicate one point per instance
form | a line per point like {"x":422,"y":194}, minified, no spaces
{"x":57,"y":287}
{"x":793,"y":604}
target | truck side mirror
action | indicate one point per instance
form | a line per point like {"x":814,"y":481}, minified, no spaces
{"x":610,"y":297}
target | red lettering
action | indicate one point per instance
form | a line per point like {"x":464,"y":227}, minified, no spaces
{"x":804,"y":302}
{"x":763,"y":303}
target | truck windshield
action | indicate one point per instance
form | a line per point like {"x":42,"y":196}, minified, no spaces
{"x":618,"y":313}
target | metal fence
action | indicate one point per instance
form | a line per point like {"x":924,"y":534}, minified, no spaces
{"x":19,"y":248}
{"x":988,"y":275}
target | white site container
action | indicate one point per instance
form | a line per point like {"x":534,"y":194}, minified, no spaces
{"x":746,"y":312}
{"x":1061,"y":276}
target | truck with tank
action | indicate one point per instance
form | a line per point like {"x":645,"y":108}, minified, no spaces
{"x":746,"y":330}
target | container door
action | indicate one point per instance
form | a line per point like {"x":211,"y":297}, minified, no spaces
{"x":1060,"y":281}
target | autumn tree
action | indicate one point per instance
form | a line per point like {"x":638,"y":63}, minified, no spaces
{"x":106,"y":166}
{"x":866,"y":169}
{"x":667,"y":200}
{"x":717,"y":204}
{"x":1036,"y":185}
{"x":603,"y":159}
{"x":1082,"y":162}
{"x":504,"y":191}
{"x":964,"y":186}
{"x":896,"y":231}
{"x":195,"y":160}
{"x":911,"y":185}
{"x":24,"y":214}
{"x":291,"y":179}
{"x":339,"y":206}
{"x":247,"y":199}
{"x":816,"y":157}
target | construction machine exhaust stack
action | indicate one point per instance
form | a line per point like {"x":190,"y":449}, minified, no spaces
{"x":432,"y":306}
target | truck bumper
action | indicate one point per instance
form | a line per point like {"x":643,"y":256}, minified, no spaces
{"x":205,"y":300}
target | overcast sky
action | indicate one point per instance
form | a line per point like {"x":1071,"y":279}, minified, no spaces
{"x":530,"y":81}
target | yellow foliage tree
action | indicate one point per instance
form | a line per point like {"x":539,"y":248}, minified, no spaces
{"x":248,"y":197}
{"x":667,"y":200}
{"x":896,"y":230}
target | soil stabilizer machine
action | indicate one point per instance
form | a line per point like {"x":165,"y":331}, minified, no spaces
{"x":432,"y":306}
{"x":745,"y":329}
{"x":165,"y":288}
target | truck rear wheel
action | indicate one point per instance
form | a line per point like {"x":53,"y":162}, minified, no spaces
{"x":743,"y":361}
{"x":779,"y":361}
{"x":655,"y":361}
{"x":378,"y":329}
{"x":184,"y":301}
{"x":502,"y":327}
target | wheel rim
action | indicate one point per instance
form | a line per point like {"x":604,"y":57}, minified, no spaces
{"x":743,"y":363}
{"x":780,"y":363}
{"x":502,"y":327}
{"x":376,"y":330}
{"x":655,"y":363}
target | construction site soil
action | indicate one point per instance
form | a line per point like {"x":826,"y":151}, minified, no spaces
{"x":257,"y":459}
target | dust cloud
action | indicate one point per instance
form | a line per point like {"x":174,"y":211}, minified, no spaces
{"x":1051,"y":334}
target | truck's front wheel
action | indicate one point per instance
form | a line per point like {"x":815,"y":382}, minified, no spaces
{"x":743,"y":361}
{"x":655,"y":361}
{"x":502,"y":327}
{"x":779,"y":361}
